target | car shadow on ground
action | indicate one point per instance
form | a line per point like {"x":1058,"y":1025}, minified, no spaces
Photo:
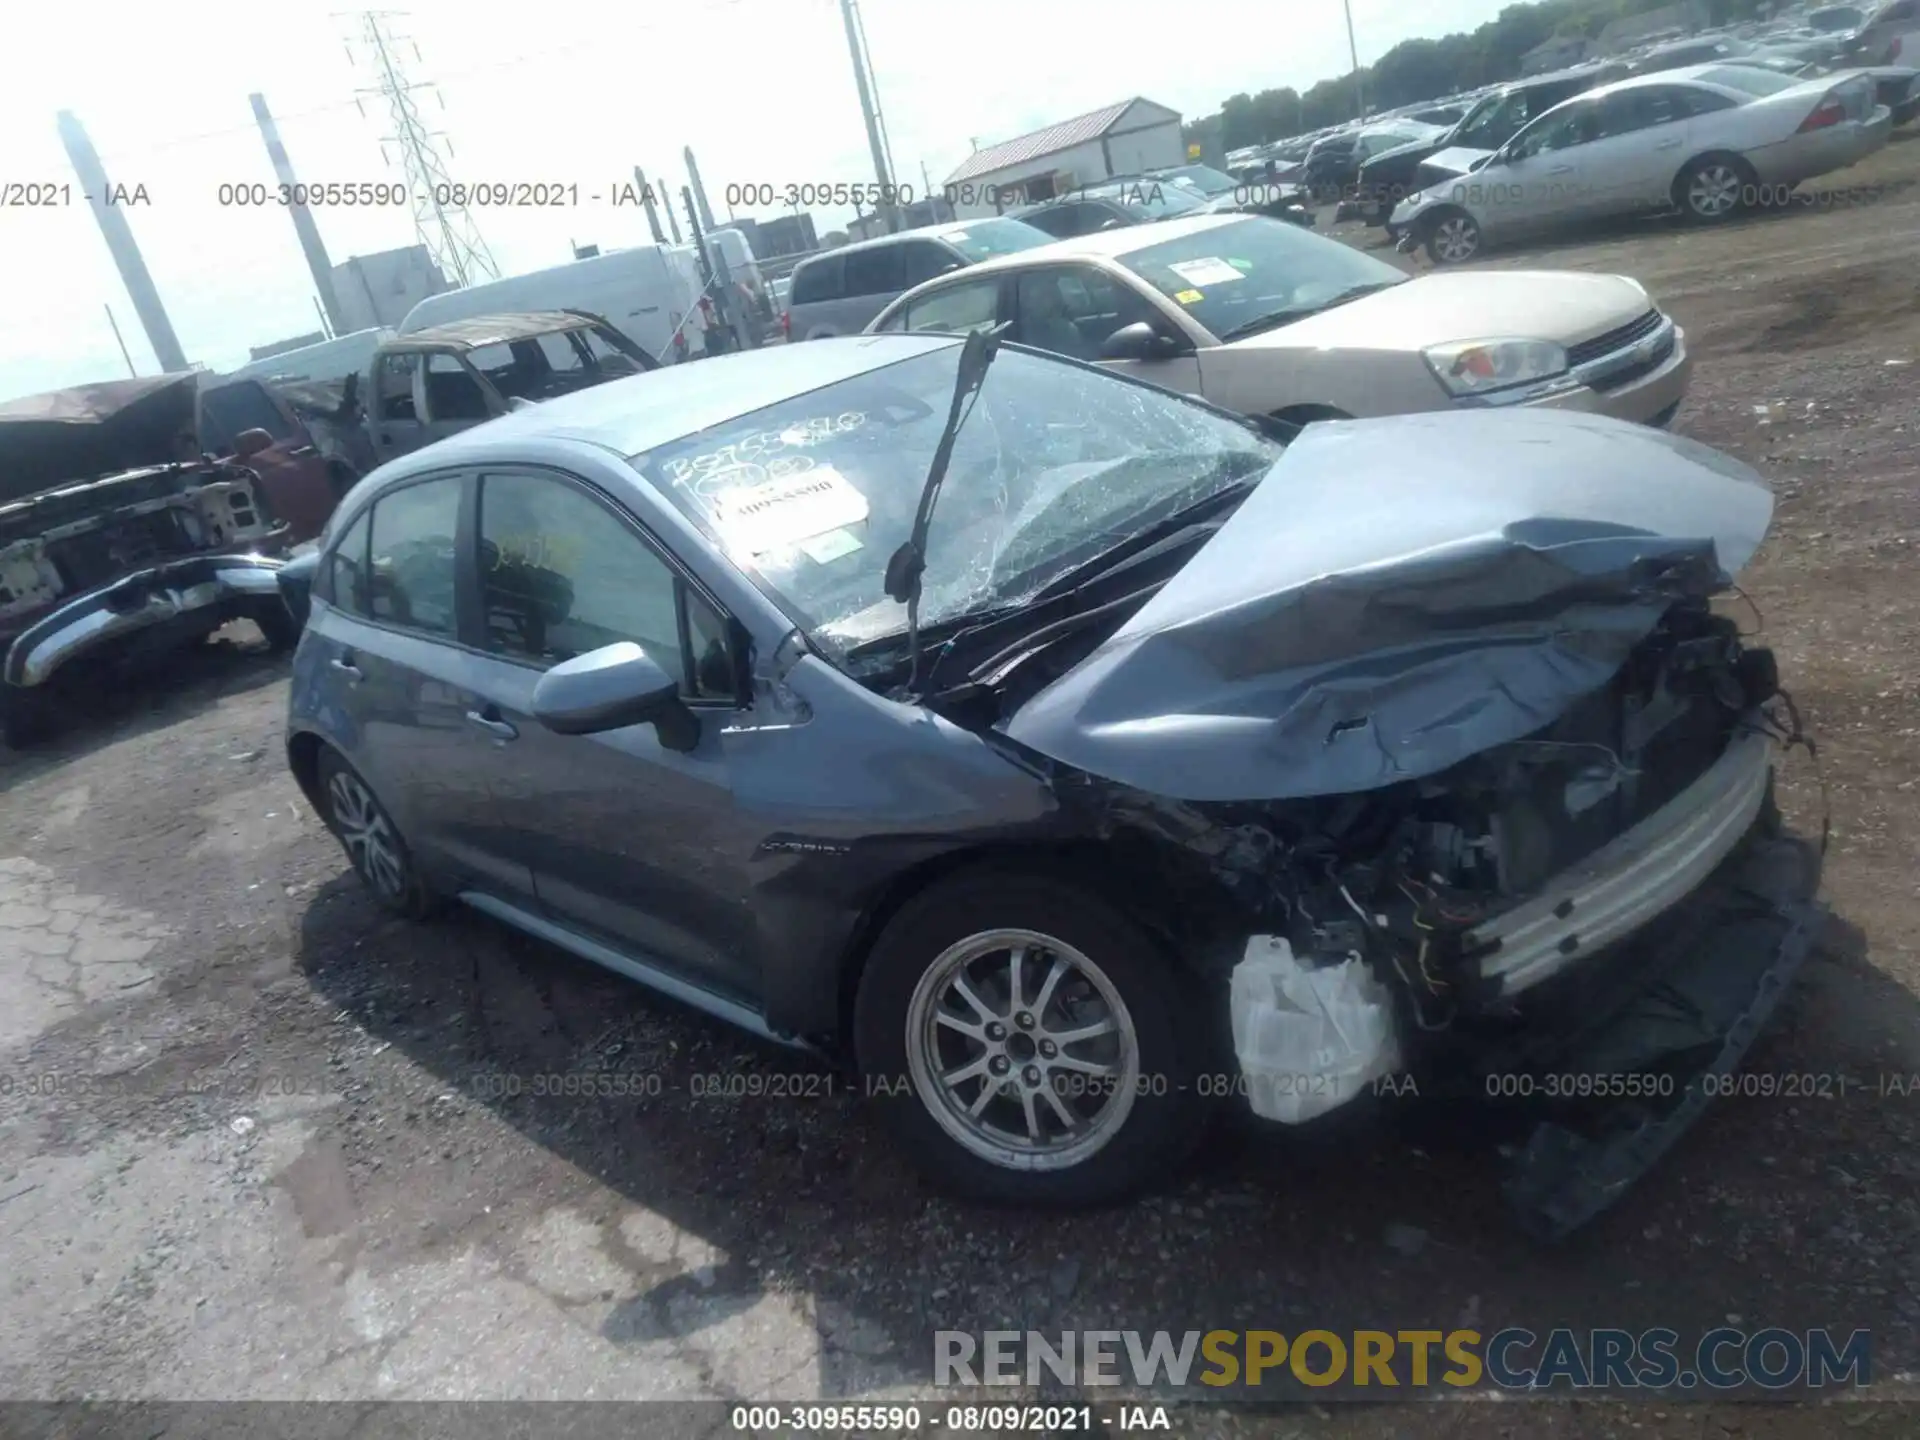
{"x":1369,"y":1221}
{"x":97,"y":713}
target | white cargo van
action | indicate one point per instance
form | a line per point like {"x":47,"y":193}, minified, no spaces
{"x":644,"y":292}
{"x":333,"y":359}
{"x":740,"y":257}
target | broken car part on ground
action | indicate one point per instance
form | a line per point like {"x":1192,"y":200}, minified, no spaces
{"x":97,"y":572}
{"x":1194,"y":739}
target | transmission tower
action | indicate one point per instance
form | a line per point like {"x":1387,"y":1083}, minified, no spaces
{"x":445,"y":228}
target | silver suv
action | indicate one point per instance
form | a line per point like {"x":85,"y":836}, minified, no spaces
{"x":840,"y":291}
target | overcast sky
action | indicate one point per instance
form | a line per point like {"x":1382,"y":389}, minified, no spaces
{"x":761,"y":89}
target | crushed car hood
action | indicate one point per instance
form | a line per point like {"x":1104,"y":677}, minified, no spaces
{"x":90,"y":430}
{"x":1398,"y":595}
{"x":1559,"y":305}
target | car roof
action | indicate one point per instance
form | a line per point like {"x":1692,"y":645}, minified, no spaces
{"x":483,"y":330}
{"x":924,"y":232}
{"x":1107,"y":244}
{"x":1680,"y":75}
{"x":643,"y":412}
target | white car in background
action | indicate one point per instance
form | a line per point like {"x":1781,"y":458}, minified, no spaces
{"x":1891,"y":35}
{"x":1266,"y":318}
{"x":1709,"y":140}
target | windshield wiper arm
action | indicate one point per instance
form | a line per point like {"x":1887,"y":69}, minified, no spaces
{"x":907,"y":566}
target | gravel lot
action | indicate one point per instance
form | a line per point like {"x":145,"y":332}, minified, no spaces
{"x":275,"y":1162}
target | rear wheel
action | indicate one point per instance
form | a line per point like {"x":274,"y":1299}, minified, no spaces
{"x":374,"y":847}
{"x":1026,"y":1042}
{"x":1713,"y":188}
{"x":1453,"y":237}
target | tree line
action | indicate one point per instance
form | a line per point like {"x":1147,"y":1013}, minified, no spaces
{"x":1416,"y":70}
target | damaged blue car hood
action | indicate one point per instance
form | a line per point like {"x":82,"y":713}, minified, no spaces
{"x":1398,"y":595}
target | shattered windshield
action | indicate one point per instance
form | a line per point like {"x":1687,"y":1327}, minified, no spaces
{"x":1054,"y":465}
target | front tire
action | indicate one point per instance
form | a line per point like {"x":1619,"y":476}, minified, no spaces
{"x":1713,"y":188}
{"x":1027,"y":1043}
{"x":373,"y":843}
{"x":1453,"y":237}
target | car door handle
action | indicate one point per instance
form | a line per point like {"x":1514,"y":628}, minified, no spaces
{"x":347,"y":668}
{"x":499,"y":729}
{"x":1668,"y":145}
{"x":1561,"y":170}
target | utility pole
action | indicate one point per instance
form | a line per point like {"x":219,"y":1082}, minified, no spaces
{"x":115,"y":326}
{"x":112,"y":219}
{"x":646,"y":199}
{"x":734,"y":335}
{"x":888,"y":210}
{"x":440,"y":217}
{"x":1353,"y":53}
{"x":303,"y":226}
{"x":699,"y":190}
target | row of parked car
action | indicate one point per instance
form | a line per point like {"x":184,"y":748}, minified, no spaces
{"x":1372,"y":166}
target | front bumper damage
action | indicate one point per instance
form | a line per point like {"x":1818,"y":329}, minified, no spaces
{"x":1608,"y":1003}
{"x":150,"y":607}
{"x":1674,"y":1009}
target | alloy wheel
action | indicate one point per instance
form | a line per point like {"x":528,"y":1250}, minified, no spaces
{"x":1714,"y":191}
{"x":368,"y":836}
{"x":1456,"y":238}
{"x":1022,"y":1050}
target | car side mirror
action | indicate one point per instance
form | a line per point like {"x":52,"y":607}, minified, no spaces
{"x":1112,"y":224}
{"x":249,"y":443}
{"x":610,"y":688}
{"x":1140,"y":341}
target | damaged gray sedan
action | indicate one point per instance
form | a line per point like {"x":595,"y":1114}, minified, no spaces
{"x":1074,"y":758}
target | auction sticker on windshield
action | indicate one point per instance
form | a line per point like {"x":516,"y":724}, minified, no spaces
{"x":1208,"y":270}
{"x":786,"y":510}
{"x":1189,"y":297}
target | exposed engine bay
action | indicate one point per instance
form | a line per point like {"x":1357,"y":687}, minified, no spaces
{"x":1403,"y":876}
{"x":70,"y":541}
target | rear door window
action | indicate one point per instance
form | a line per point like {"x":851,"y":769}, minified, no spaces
{"x":819,"y":280}
{"x":410,"y":557}
{"x":1626,"y":111}
{"x":875,"y":271}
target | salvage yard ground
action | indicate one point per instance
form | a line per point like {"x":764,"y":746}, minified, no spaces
{"x":275,"y":1161}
